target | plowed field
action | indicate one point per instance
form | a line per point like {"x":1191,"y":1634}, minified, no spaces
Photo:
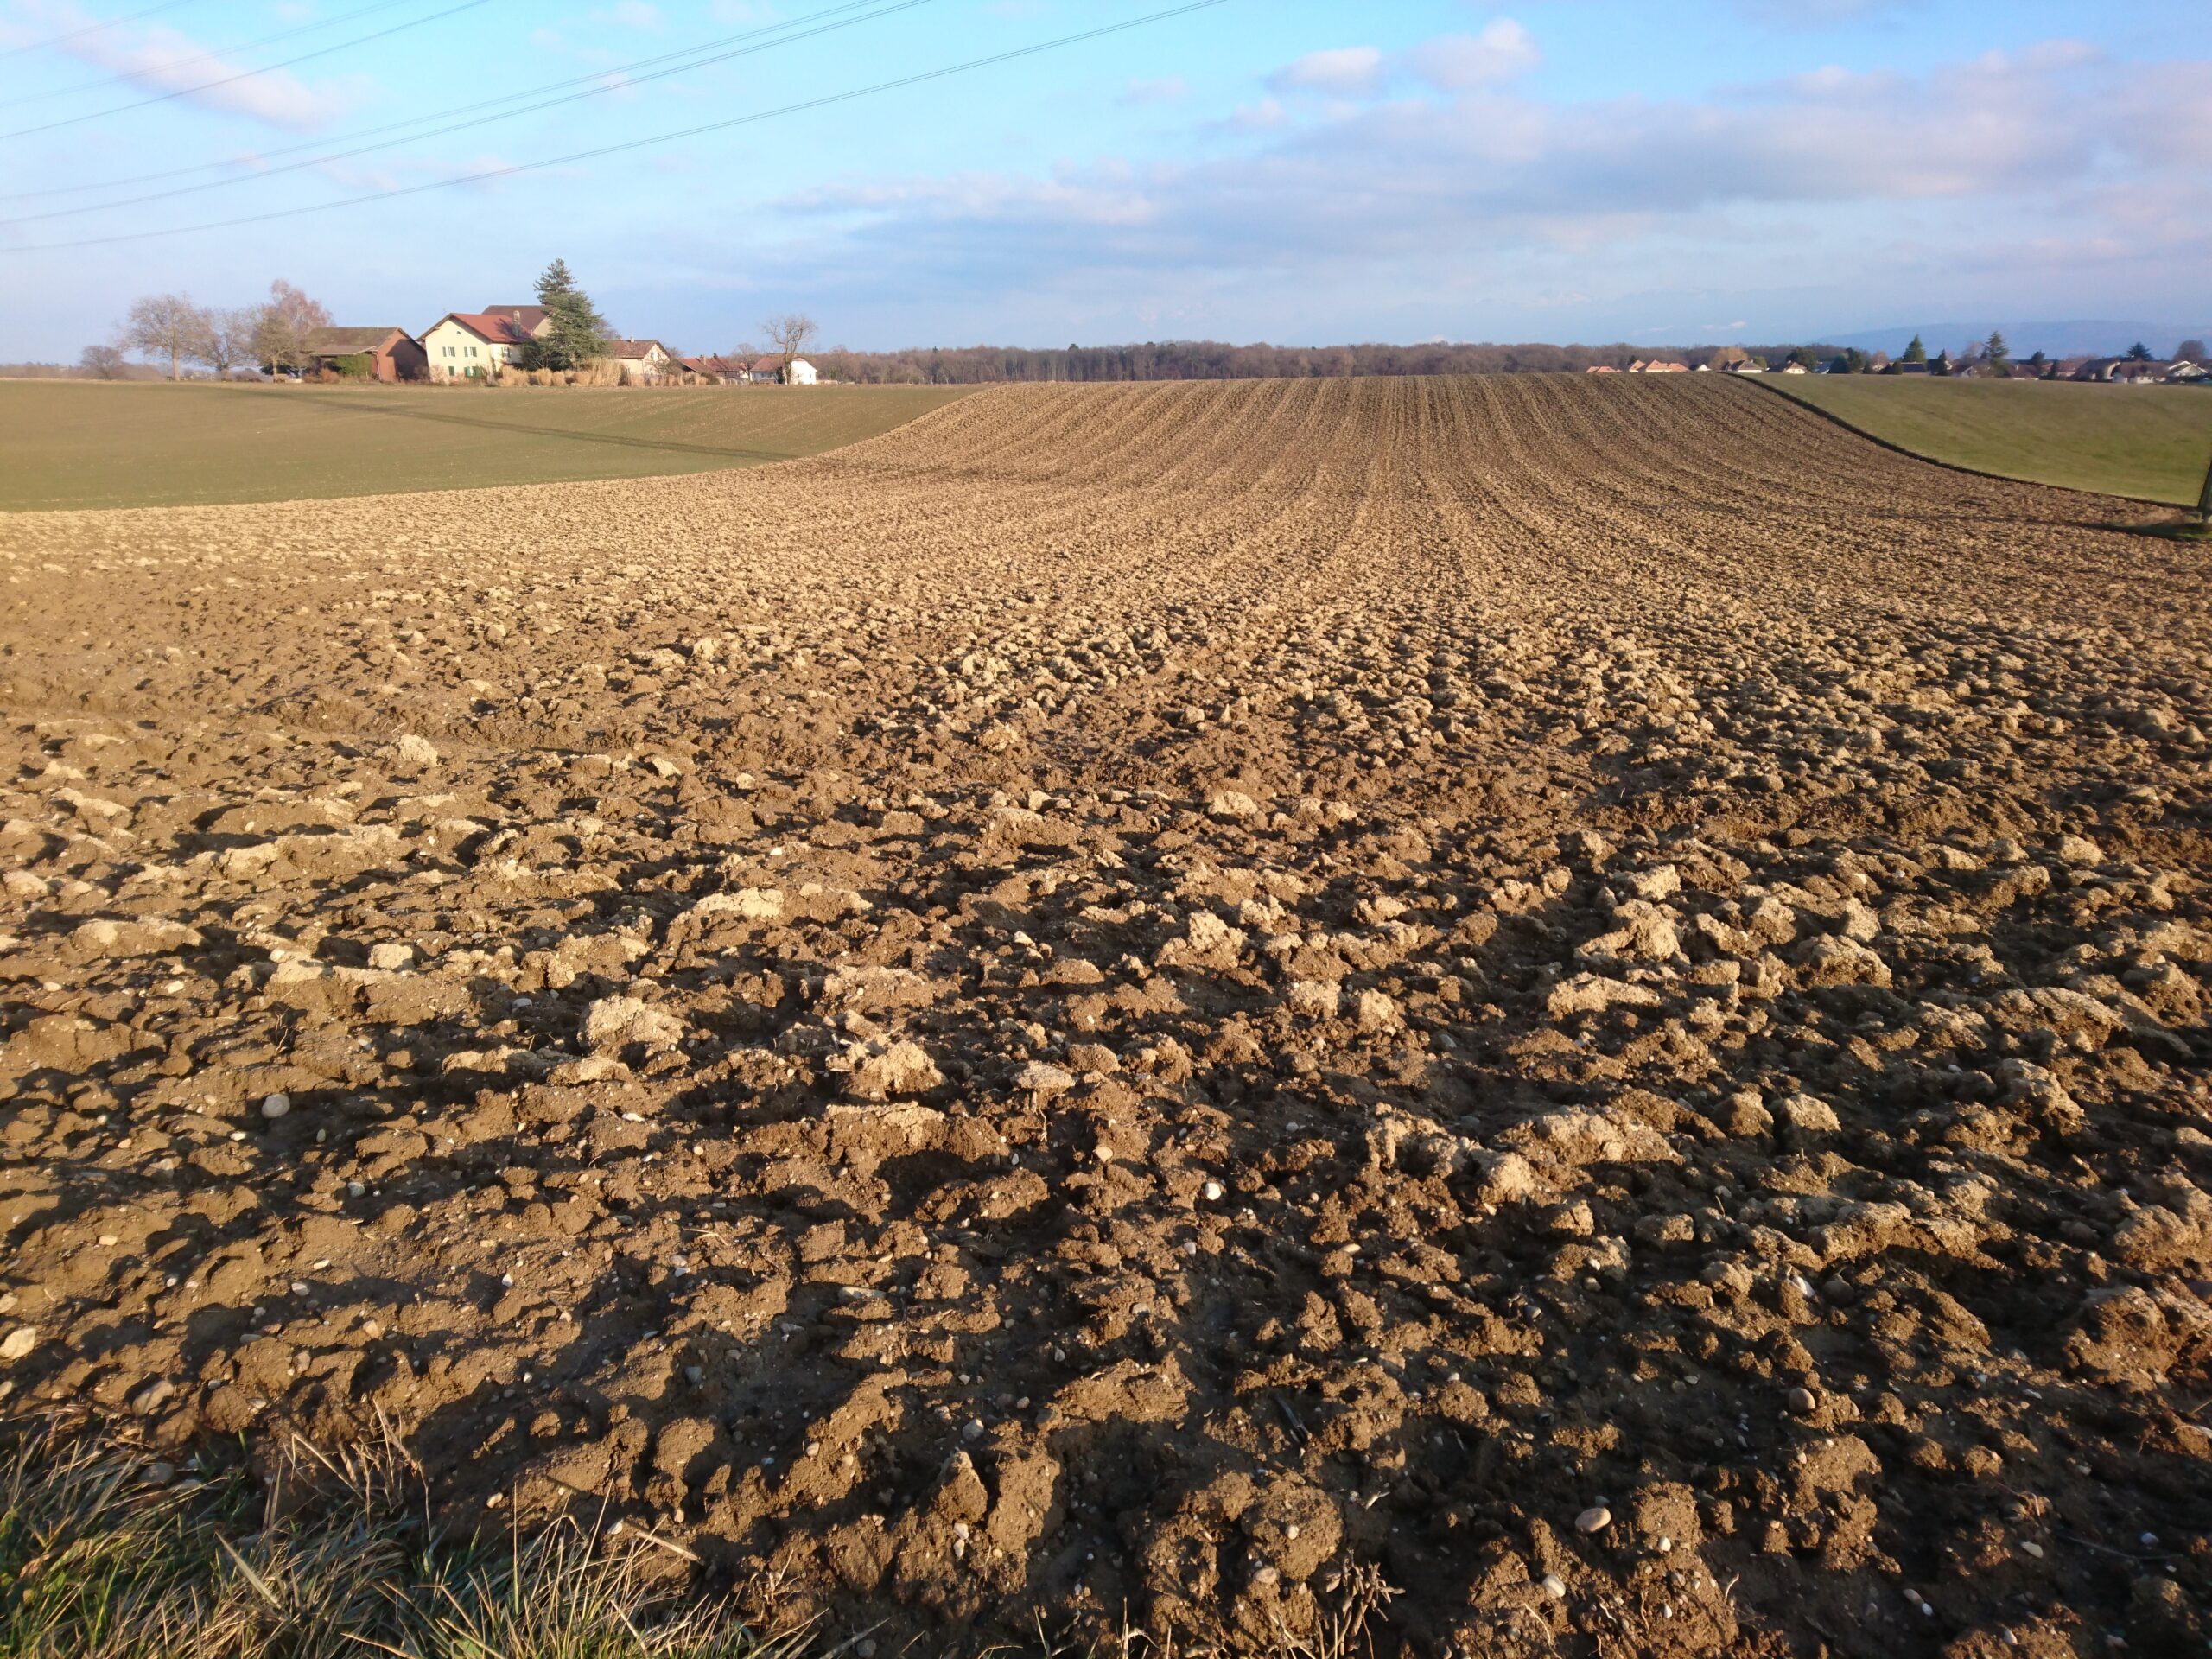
{"x":1124,"y":1001}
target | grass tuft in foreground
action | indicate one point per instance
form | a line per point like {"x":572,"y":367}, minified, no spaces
{"x":104,"y":1555}
{"x":106,"y":1552}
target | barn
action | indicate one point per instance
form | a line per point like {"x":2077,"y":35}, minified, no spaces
{"x":393,"y":353}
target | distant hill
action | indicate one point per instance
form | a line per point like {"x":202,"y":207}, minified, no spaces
{"x":2056,"y":339}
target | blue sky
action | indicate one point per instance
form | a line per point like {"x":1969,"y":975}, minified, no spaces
{"x":1289,"y":170}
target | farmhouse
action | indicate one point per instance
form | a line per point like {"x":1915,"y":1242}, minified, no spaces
{"x":393,"y":353}
{"x":771,"y":369}
{"x":469,"y":345}
{"x":643,"y":362}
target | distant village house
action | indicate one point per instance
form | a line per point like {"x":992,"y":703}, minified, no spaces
{"x":643,"y":362}
{"x":2137,"y":372}
{"x":770,"y":370}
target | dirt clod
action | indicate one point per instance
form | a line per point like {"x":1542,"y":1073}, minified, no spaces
{"x":1141,"y":1004}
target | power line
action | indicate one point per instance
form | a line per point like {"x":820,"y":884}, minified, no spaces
{"x":266,"y":69}
{"x":138,"y":71}
{"x":94,"y":29}
{"x":601,"y":89}
{"x":513,"y":168}
{"x":597,"y":76}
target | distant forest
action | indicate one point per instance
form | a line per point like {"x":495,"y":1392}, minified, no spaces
{"x":1208,"y":359}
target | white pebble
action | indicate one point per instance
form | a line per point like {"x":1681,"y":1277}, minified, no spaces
{"x":275,"y":1106}
{"x":1556,"y":1585}
{"x":1596,"y":1518}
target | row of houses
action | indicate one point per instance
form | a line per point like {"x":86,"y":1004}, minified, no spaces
{"x":1722,"y":362}
{"x":2122,"y":371}
{"x":2128,"y":371}
{"x":475,"y":345}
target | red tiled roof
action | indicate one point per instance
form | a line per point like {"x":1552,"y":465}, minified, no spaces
{"x":485,"y":325}
{"x":528,"y":315}
{"x":637,"y":348}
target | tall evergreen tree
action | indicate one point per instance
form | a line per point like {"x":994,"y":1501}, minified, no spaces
{"x":1915,"y":353}
{"x":2138,"y":352}
{"x":1998,"y":353}
{"x":574,"y":332}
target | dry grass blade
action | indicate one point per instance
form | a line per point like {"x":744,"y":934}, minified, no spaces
{"x":100,"y":1564}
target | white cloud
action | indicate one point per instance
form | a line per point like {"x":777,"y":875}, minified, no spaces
{"x":1348,"y":71}
{"x":1503,"y":51}
{"x":1262,"y":117}
{"x":1171,"y":89}
{"x":159,"y":58}
{"x":1832,"y":181}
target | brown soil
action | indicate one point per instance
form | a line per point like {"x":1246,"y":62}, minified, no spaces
{"x":1124,"y":1002}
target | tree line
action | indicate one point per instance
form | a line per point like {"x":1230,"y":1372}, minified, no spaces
{"x":176,"y":329}
{"x":1207,"y":360}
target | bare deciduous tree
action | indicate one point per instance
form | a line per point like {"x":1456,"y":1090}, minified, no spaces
{"x":787,"y":337}
{"x":285,"y":327}
{"x":230,"y":339}
{"x":102,"y":362}
{"x":167,"y":325}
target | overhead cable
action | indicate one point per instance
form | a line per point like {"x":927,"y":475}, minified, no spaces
{"x":512,"y":169}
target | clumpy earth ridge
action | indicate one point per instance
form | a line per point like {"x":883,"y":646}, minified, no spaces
{"x":1137,"y":1003}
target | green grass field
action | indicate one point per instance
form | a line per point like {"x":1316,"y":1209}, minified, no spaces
{"x":86,"y":444}
{"x":2152,"y":442}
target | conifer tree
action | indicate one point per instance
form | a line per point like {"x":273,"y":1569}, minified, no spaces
{"x":574,"y":332}
{"x":1915,"y":353}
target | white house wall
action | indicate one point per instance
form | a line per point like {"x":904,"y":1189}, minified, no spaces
{"x":469,"y":352}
